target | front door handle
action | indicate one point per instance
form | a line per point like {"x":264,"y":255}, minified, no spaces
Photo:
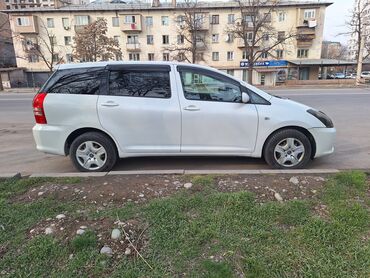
{"x":191,"y":108}
{"x":110,"y":104}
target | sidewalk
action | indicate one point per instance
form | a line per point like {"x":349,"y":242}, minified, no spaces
{"x":19,"y":90}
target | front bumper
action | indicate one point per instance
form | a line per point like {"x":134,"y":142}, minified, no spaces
{"x":324,"y":139}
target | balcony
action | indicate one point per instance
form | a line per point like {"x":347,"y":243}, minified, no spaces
{"x":305,"y":36}
{"x":26,"y":24}
{"x":131,"y":23}
{"x":133,"y":46}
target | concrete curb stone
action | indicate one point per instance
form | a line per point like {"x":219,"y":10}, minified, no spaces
{"x":10,"y":175}
{"x":66,"y":175}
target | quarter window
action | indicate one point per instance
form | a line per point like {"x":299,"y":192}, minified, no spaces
{"x":154,"y":84}
{"x":206,"y":87}
{"x":81,"y":82}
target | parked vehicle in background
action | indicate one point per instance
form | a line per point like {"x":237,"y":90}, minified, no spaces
{"x":365,"y":74}
{"x":339,"y":75}
{"x":99,"y":112}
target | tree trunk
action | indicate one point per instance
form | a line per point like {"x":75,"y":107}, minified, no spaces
{"x":1,"y":84}
{"x":250,"y":74}
{"x":359,"y":60}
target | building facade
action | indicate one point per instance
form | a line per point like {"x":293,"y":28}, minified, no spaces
{"x":23,"y":4}
{"x":144,"y":32}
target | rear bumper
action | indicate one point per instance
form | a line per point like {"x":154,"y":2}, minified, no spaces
{"x":49,"y":139}
{"x":324,"y":139}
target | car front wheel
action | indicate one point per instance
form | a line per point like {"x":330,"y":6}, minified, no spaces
{"x":288,"y":149}
{"x":93,"y":152}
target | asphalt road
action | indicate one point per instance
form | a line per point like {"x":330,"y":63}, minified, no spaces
{"x":349,"y":109}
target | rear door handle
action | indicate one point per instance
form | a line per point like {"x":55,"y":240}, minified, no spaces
{"x":110,"y":104}
{"x":191,"y":108}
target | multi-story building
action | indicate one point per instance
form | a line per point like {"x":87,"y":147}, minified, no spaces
{"x":23,"y":4}
{"x":145,"y":30}
{"x":7,"y":56}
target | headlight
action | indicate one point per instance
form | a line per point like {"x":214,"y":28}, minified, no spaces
{"x":322,"y":117}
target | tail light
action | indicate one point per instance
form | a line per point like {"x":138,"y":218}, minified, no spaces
{"x":38,"y":108}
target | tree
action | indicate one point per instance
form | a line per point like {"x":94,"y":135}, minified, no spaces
{"x":191,"y":33}
{"x":43,"y":46}
{"x":358,"y":26}
{"x":256,"y":33}
{"x":92,"y":43}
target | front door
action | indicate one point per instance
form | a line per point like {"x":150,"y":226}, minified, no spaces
{"x":141,"y":110}
{"x":214,"y":120}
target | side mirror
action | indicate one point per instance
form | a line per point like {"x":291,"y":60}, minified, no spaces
{"x":245,"y":98}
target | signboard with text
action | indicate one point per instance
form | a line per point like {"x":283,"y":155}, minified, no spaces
{"x":274,"y":63}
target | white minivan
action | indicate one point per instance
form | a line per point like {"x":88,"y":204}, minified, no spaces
{"x":99,"y":112}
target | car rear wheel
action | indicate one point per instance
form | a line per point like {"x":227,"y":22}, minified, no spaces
{"x":93,"y":152}
{"x":288,"y":149}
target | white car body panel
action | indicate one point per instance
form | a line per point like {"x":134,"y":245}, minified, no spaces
{"x":161,"y":127}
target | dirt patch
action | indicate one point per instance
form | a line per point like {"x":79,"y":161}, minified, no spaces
{"x":132,"y":237}
{"x":108,"y":190}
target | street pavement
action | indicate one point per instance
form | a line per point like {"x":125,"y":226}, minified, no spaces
{"x":349,"y":108}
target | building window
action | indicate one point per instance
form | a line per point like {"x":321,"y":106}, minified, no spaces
{"x":69,"y":58}
{"x":115,"y":21}
{"x":118,"y":57}
{"x":230,"y":55}
{"x":129,"y":19}
{"x":132,"y":39}
{"x":250,"y":36}
{"x":302,"y":53}
{"x":279,"y":53}
{"x":149,"y":39}
{"x":282,"y":16}
{"x":134,"y":56}
{"x":67,"y":40}
{"x":215,"y":56}
{"x":55,"y":58}
{"x":309,"y":14}
{"x":33,"y":58}
{"x":230,"y":38}
{"x":53,"y":40}
{"x":149,"y":21}
{"x":166,"y":56}
{"x":215,"y":19}
{"x":165,"y":39}
{"x":23,"y":21}
{"x":264,"y":55}
{"x":199,"y":56}
{"x":82,"y":20}
{"x":180,"y":39}
{"x":151,"y":56}
{"x":266,"y":37}
{"x":230,"y":72}
{"x":65,"y":22}
{"x":245,"y":55}
{"x":116,"y":38}
{"x":164,"y":20}
{"x":248,"y":18}
{"x":230,"y":18}
{"x":215,"y":38}
{"x":50,"y":22}
{"x":281,"y":36}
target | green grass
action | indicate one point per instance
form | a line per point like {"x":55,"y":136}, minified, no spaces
{"x":206,"y":234}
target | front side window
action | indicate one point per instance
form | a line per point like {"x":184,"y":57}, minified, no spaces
{"x":302,"y":53}
{"x":149,"y":21}
{"x":231,"y":19}
{"x":82,"y":20}
{"x":23,"y":21}
{"x":65,"y":22}
{"x":154,"y":84}
{"x":115,"y":21}
{"x":309,"y":14}
{"x":149,"y":39}
{"x":81,"y":82}
{"x":209,"y":87}
{"x":130,"y":19}
{"x":215,"y":19}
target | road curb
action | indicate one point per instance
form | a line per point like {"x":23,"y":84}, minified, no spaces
{"x":68,"y":175}
{"x":180,"y":172}
{"x":10,"y":175}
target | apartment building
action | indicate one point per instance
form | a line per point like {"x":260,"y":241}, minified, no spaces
{"x":145,"y":30}
{"x":23,"y":4}
{"x":7,"y":56}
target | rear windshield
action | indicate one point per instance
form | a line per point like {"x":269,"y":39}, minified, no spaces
{"x":85,"y":81}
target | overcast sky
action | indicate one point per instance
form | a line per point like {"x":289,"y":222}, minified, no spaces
{"x":336,"y":15}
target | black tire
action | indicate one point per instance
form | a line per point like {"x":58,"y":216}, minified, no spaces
{"x":278,"y":137}
{"x":110,"y":156}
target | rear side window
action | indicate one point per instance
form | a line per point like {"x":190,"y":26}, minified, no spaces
{"x":78,"y":81}
{"x":151,"y":84}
